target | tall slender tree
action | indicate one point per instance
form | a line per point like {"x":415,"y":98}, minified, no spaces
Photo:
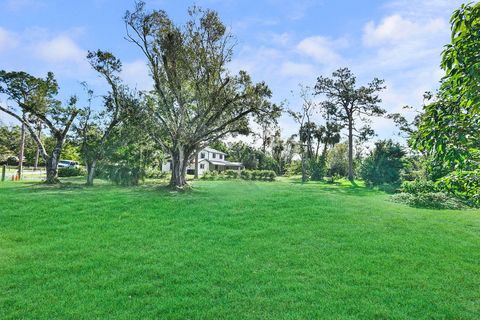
{"x":96,"y":127}
{"x":351,"y":105}
{"x":303,"y":118}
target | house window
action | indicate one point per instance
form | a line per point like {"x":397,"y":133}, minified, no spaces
{"x":202,"y":166}
{"x":221,"y":156}
{"x":202,"y":155}
{"x":216,"y":167}
{"x":214,"y":155}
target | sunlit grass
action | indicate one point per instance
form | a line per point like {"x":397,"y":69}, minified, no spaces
{"x":236,"y":250}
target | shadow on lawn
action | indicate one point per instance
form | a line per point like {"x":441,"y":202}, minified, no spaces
{"x":160,"y":187}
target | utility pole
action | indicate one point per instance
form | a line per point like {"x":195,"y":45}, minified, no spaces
{"x":22,"y":151}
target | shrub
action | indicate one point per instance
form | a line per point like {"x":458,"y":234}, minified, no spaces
{"x":419,"y":186}
{"x":261,"y":175}
{"x":122,"y":175}
{"x":337,"y":160}
{"x":270,"y":175}
{"x":317,"y":169}
{"x":71,"y":172}
{"x":294,"y":168}
{"x":431,"y":200}
{"x":246,"y":175}
{"x":232,"y":174}
{"x":152,"y":173}
{"x":384,"y":164}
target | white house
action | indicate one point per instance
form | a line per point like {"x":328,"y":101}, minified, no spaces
{"x":208,"y":160}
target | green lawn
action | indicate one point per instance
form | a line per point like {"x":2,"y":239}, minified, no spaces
{"x":233,"y":250}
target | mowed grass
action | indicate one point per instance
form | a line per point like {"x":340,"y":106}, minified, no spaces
{"x":233,"y":250}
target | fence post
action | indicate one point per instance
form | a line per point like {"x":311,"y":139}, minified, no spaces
{"x":4,"y":171}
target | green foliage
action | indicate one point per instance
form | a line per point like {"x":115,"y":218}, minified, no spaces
{"x":71,"y":152}
{"x":232,"y":174}
{"x":121,"y":174}
{"x":155,"y":173}
{"x":449,"y":129}
{"x":189,"y":67}
{"x":349,"y":105}
{"x":317,"y":168}
{"x":419,"y":186}
{"x":71,"y":172}
{"x":431,"y":200}
{"x":294,"y":168}
{"x":253,"y":175}
{"x":464,"y":184}
{"x":337,"y":160}
{"x":384,"y":164}
{"x":246,"y":175}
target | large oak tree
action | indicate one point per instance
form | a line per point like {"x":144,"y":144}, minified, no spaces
{"x":195,"y":99}
{"x":33,"y":101}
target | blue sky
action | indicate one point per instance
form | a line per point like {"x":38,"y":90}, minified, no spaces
{"x":282,"y":42}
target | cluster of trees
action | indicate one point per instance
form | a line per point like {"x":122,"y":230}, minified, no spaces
{"x":196,"y":101}
{"x":446,"y":132}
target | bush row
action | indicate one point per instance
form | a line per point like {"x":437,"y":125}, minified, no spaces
{"x":428,"y":194}
{"x":260,"y":175}
{"x":71,"y":172}
{"x":431,"y":200}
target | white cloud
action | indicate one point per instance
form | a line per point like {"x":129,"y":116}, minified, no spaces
{"x":7,"y":40}
{"x":295,"y":69}
{"x":60,"y":49}
{"x":322,"y":49}
{"x":136,"y":75}
{"x":395,"y":29}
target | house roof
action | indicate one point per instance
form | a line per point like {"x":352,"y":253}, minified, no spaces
{"x":237,"y":164}
{"x":208,"y":149}
{"x":218,"y":163}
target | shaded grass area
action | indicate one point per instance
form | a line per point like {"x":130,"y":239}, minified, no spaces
{"x":232,"y":250}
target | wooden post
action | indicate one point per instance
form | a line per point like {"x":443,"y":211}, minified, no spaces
{"x":4,"y":171}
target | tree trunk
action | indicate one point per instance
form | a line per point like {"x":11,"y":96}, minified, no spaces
{"x":37,"y":155}
{"x":196,"y":165}
{"x":52,"y":165}
{"x":179,"y":168}
{"x":37,"y":152}
{"x":350,"y":150}
{"x":21,"y":154}
{"x":304,"y":167}
{"x":91,"y":172}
